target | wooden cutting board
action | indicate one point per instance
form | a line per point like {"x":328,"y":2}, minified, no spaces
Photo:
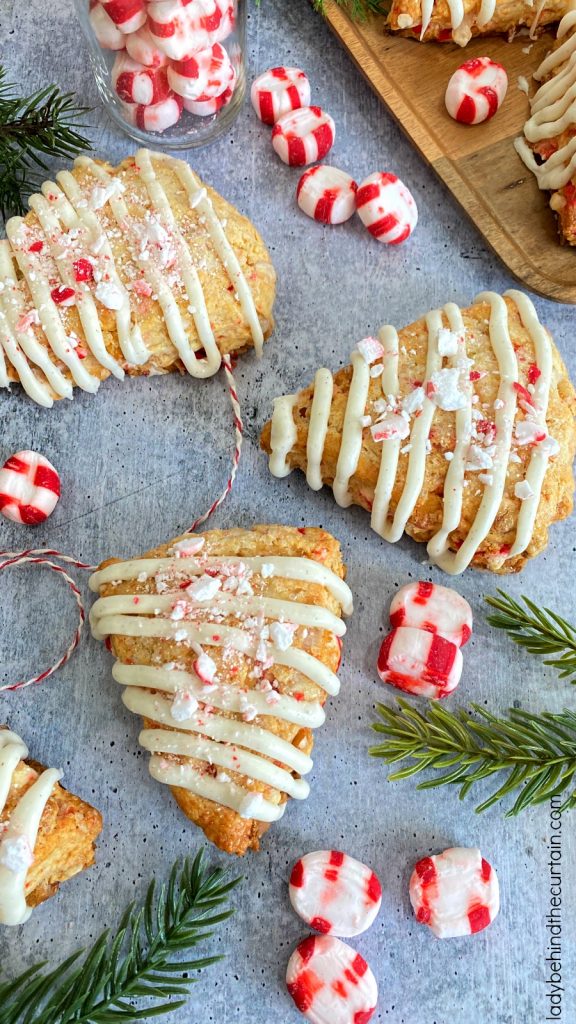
{"x":478,"y":164}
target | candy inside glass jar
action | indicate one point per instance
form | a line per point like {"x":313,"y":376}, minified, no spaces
{"x":170,"y":72}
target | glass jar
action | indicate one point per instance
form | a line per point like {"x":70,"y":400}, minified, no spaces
{"x":171,"y":73}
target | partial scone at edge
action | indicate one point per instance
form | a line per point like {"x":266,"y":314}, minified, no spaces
{"x":426,"y":519}
{"x":509,"y":15}
{"x":222,"y":825}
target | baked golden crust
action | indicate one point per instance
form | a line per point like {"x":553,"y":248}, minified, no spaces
{"x":68,"y":830}
{"x":425,"y":520}
{"x":231,"y":329}
{"x":406,"y":16}
{"x":222,"y":826}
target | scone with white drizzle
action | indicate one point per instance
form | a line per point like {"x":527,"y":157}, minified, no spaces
{"x":228,"y":644}
{"x":458,"y":430}
{"x":459,"y":20}
{"x":47,"y":835}
{"x":139,"y":269}
{"x":548,"y":146}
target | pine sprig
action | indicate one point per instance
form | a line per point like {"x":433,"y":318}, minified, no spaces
{"x":358,"y":10}
{"x":137,"y":962}
{"x":538,"y":630}
{"x":32,"y":127}
{"x":536,"y":754}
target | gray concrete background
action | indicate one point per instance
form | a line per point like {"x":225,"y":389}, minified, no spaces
{"x":139,"y":462}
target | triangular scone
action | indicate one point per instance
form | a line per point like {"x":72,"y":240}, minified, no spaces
{"x":459,"y":430}
{"x":548,"y":147}
{"x":36,"y":857}
{"x":459,"y":20}
{"x":228,"y":643}
{"x":139,"y":269}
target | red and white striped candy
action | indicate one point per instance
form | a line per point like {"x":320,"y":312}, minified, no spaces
{"x":303,"y":136}
{"x":135,"y":83}
{"x":181,"y":28}
{"x":433,"y":608}
{"x":327,"y":194}
{"x":334,"y":893}
{"x":205,"y":75}
{"x":155,"y":118}
{"x":277,"y":91}
{"x":127,"y":15}
{"x":476,"y":90}
{"x":419,"y":662}
{"x":29,"y":488}
{"x":386,"y":208}
{"x":142,"y":47}
{"x":455,"y":893}
{"x":204,"y":106}
{"x":108,"y":36}
{"x":330,"y":982}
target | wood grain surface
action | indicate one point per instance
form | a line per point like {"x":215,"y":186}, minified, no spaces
{"x":478,"y":164}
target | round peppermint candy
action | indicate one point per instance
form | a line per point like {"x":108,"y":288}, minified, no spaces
{"x":419,"y":662}
{"x":386,"y":208}
{"x":127,"y":15}
{"x":476,"y":90}
{"x":182,"y":28}
{"x":327,"y":194}
{"x":157,"y":117}
{"x":278,"y":91}
{"x":135,"y":83}
{"x":303,"y":136}
{"x":334,"y":893}
{"x":142,"y":47}
{"x":455,"y":893}
{"x":29,"y":488}
{"x":330,"y":982}
{"x":204,"y":76}
{"x":433,"y":608}
{"x":108,"y":35}
{"x":204,"y":106}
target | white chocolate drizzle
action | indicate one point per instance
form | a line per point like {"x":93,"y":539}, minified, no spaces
{"x":18,"y":838}
{"x":76,"y":223}
{"x":553,"y":110}
{"x":462,"y":23}
{"x":285,"y":434}
{"x":200,"y":727}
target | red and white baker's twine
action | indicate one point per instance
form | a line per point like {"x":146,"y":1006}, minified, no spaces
{"x":46,"y":556}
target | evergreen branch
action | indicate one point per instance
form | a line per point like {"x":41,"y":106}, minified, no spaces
{"x":33,"y":127}
{"x":535,"y":754}
{"x":538,"y":630}
{"x":138,"y":962}
{"x":358,"y":10}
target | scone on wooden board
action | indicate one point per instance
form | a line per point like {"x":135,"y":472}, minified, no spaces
{"x":47,"y":834}
{"x":138,"y":269}
{"x":228,"y":644}
{"x":548,"y":146}
{"x":459,"y":20}
{"x":459,"y":430}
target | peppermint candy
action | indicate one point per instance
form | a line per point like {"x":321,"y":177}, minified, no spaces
{"x":327,"y":194}
{"x":29,"y":488}
{"x":476,"y":90}
{"x":135,"y":83}
{"x":181,"y":28}
{"x":334,"y":893}
{"x":108,"y":35}
{"x":204,"y":76}
{"x":331,"y":983}
{"x":155,"y":118}
{"x":127,"y":15}
{"x":419,"y":662}
{"x":204,"y":106}
{"x":303,"y":136}
{"x":386,"y":208}
{"x":435,"y":609}
{"x":142,"y":47}
{"x":278,"y":91}
{"x":455,"y":893}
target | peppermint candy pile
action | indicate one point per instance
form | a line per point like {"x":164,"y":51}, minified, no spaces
{"x":336,"y":895}
{"x":304,"y":134}
{"x":421,"y":654}
{"x":169,"y":57}
{"x":455,"y":893}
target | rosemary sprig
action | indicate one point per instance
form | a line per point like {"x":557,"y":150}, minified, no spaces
{"x":536,"y":754}
{"x":137,"y":962}
{"x":31,"y":127}
{"x":358,"y":10}
{"x":538,"y":630}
